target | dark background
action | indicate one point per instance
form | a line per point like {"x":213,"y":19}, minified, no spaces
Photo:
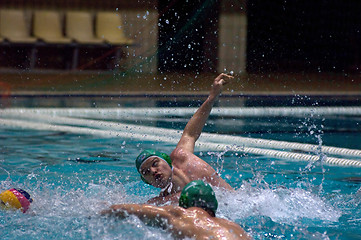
{"x":320,"y":35}
{"x":283,"y":36}
{"x":188,"y":35}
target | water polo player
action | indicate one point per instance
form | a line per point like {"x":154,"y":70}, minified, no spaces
{"x":194,"y":218}
{"x":15,"y":198}
{"x":172,"y":173}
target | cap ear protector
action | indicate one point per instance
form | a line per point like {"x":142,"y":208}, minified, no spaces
{"x":143,"y":156}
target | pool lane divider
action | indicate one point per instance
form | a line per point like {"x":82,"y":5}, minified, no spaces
{"x":171,"y":139}
{"x":184,"y":111}
{"x":201,"y":145}
{"x":282,"y":154}
{"x":205,"y":137}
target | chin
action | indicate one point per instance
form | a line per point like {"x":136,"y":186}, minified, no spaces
{"x":160,"y":185}
{"x":163,"y":184}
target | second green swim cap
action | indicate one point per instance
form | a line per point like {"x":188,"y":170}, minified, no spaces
{"x":198,"y":194}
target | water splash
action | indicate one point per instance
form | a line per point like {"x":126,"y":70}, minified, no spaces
{"x":282,"y":205}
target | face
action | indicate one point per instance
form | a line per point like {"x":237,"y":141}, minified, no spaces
{"x":156,"y":171}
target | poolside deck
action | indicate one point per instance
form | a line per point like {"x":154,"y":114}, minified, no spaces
{"x":104,"y":82}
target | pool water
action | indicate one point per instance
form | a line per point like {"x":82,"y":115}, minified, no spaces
{"x":73,"y":176}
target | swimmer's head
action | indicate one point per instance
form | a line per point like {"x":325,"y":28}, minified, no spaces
{"x":146,"y":154}
{"x":15,"y":198}
{"x":199,"y":194}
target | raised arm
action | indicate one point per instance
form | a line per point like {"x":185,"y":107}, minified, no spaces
{"x":195,"y":125}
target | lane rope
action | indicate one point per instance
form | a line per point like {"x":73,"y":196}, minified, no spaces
{"x":205,"y":137}
{"x":13,"y":123}
{"x":181,"y":112}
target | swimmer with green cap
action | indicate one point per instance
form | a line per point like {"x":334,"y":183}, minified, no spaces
{"x":194,"y":218}
{"x":172,"y":173}
{"x":199,"y":194}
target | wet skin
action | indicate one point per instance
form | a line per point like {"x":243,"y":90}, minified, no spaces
{"x":186,"y":165}
{"x":156,"y":172}
{"x":194,"y":222}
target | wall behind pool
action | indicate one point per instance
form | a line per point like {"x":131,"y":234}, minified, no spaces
{"x":141,"y":23}
{"x":172,"y":100}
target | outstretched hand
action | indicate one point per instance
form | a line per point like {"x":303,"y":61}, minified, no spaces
{"x":219,"y":82}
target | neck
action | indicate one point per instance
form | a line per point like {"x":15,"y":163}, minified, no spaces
{"x":176,"y":184}
{"x":179,"y":180}
{"x":169,"y":189}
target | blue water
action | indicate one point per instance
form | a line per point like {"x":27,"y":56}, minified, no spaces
{"x":72,"y":177}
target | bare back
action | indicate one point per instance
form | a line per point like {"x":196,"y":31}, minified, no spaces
{"x":193,"y":222}
{"x":198,"y":224}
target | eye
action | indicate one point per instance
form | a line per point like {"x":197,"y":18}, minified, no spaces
{"x":145,"y":172}
{"x":155,"y":163}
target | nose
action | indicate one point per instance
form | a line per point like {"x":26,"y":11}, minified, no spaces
{"x":153,"y":170}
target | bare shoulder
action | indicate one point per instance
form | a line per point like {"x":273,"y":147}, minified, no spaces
{"x":223,"y":221}
{"x":176,"y":211}
{"x":179,"y":155}
{"x":233,"y":229}
{"x":182,"y":155}
{"x":173,"y":209}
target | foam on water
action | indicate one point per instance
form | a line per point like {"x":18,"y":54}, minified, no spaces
{"x":59,"y":211}
{"x":282,"y":205}
{"x":62,"y":213}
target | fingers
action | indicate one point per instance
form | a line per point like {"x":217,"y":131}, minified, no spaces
{"x":220,"y":76}
{"x":223,"y":78}
{"x":227,"y":76}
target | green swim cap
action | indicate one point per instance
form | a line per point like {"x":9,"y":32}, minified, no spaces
{"x":143,"y":156}
{"x":198,"y":194}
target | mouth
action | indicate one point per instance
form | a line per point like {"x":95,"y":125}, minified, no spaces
{"x":158,"y":177}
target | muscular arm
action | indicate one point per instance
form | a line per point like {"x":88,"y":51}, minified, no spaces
{"x":149,"y":214}
{"x":194,"y":127}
